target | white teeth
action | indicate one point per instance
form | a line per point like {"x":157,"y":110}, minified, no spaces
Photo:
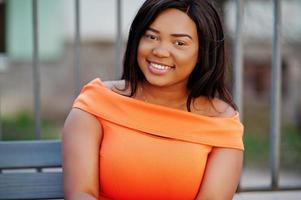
{"x":160,"y":67}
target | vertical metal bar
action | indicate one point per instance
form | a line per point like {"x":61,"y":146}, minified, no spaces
{"x":1,"y":130}
{"x":77,"y":51}
{"x":2,"y":57}
{"x":36,"y":70}
{"x":276,"y":97}
{"x":238,"y":57}
{"x":118,"y":66}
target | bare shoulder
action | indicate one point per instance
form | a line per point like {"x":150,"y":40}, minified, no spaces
{"x":114,"y":83}
{"x":223,"y":108}
{"x":77,"y":114}
{"x":214,"y":108}
{"x":117,"y":86}
{"x":79,"y":121}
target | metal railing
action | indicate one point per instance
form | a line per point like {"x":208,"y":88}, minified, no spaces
{"x":275,"y":131}
{"x":77,"y":55}
{"x":238,"y":78}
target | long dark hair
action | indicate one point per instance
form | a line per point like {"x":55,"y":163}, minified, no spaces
{"x":208,"y":77}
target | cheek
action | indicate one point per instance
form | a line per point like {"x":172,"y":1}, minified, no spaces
{"x":141,"y":54}
{"x":194,"y":56}
{"x":139,"y":49}
{"x":143,"y":48}
{"x":189,"y":58}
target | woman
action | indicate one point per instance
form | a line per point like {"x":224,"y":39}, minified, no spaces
{"x":169,"y":129}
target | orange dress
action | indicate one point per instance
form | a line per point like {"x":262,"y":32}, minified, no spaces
{"x":151,"y":151}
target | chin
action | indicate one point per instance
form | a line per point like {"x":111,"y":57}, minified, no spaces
{"x":159,"y":81}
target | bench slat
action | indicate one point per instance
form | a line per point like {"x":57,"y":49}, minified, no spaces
{"x":26,"y":154}
{"x":31,"y":185}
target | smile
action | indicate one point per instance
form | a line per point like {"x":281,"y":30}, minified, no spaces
{"x":160,"y":66}
{"x":158,"y":69}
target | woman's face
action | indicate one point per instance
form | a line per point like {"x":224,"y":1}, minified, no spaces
{"x":168,"y":50}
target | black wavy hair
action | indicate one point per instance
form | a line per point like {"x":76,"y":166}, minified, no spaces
{"x":208,"y":77}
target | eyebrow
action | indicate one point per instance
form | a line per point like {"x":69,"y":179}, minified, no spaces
{"x":173,"y":34}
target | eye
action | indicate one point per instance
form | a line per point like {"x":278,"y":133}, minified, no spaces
{"x":180,"y":43}
{"x":151,"y":37}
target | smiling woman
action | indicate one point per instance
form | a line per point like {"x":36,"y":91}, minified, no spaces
{"x":166,"y":128}
{"x":168,"y":56}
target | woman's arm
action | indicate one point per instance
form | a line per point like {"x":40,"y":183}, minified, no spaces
{"x":81,"y":142}
{"x":221,"y":175}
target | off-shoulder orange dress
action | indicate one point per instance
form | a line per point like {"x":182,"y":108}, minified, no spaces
{"x":150,"y":151}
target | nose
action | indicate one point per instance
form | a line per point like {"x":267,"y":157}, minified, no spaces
{"x":161,"y":51}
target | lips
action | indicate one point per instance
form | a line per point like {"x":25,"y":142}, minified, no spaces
{"x":159,"y":69}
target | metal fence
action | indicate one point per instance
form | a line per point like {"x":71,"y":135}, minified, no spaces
{"x":238,"y":78}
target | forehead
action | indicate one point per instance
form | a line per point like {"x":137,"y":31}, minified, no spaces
{"x":174,"y":20}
